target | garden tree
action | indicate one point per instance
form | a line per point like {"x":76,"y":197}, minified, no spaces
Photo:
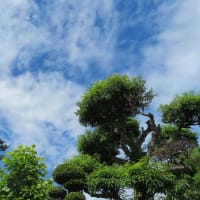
{"x":72,"y":178}
{"x":183,"y":111}
{"x":110,"y":102}
{"x":186,"y":184}
{"x":103,"y":144}
{"x":173,"y":145}
{"x":107,"y":182}
{"x":75,"y":196}
{"x":24,"y":175}
{"x":73,"y":171}
{"x":149,"y":177}
{"x":98,"y":144}
{"x":86,"y":162}
{"x":109,"y":107}
{"x":57,"y":193}
{"x":115,"y":138}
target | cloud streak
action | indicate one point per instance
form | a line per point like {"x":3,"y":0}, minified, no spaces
{"x":41,"y":45}
{"x":41,"y":111}
{"x":173,"y":63}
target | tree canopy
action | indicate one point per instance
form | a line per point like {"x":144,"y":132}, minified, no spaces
{"x":183,"y":111}
{"x":118,"y":151}
{"x":24,"y":175}
{"x":112,"y":155}
{"x":112,"y":100}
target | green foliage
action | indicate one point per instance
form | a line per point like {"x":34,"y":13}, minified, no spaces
{"x":70,"y":176}
{"x":57,"y":192}
{"x":106,"y":181}
{"x":104,"y":144}
{"x":149,"y":177}
{"x":75,"y":196}
{"x":174,"y":132}
{"x":183,"y":111}
{"x":98,"y":144}
{"x":193,"y":159}
{"x":86,"y":162}
{"x":183,"y":189}
{"x":24,"y":176}
{"x":112,"y":154}
{"x":113,"y":100}
{"x":133,"y":127}
{"x":173,"y":144}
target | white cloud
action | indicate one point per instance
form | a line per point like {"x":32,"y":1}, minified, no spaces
{"x":17,"y":32}
{"x":39,"y":108}
{"x":172,"y":65}
{"x":69,"y":28}
{"x":41,"y":111}
{"x":75,"y":30}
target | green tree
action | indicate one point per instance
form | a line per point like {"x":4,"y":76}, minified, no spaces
{"x":57,"y":193}
{"x":183,"y":111}
{"x":109,"y":107}
{"x":86,"y":162}
{"x":181,"y":144}
{"x":186,"y":183}
{"x":24,"y":175}
{"x":72,"y":178}
{"x":107,"y":182}
{"x":75,"y":196}
{"x":115,"y":138}
{"x":111,"y":101}
{"x":149,"y":177}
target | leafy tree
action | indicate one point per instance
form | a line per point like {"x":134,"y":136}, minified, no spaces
{"x":149,"y":177}
{"x":173,"y":145}
{"x":57,"y":193}
{"x":183,"y":111}
{"x":109,"y":102}
{"x":186,"y":184}
{"x":24,"y":175}
{"x":107,"y":182}
{"x":86,"y":162}
{"x":75,"y":196}
{"x":109,"y":106}
{"x":72,"y":178}
{"x":115,"y":139}
{"x":99,"y":144}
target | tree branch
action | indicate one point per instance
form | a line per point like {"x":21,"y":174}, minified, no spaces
{"x":151,"y":128}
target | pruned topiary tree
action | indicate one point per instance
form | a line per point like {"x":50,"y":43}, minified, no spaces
{"x":71,"y":177}
{"x":110,"y":109}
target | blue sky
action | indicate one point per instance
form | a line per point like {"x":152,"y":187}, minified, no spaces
{"x":51,"y":51}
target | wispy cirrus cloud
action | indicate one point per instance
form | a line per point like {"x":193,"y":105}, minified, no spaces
{"x":73,"y":34}
{"x":41,"y":111}
{"x":43,"y":44}
{"x":172,"y":61}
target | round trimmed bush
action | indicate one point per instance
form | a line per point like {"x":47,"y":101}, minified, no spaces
{"x":74,"y":185}
{"x":75,"y":196}
{"x":57,"y":192}
{"x":66,"y":172}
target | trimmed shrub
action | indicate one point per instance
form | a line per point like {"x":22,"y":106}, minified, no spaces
{"x":65,"y":172}
{"x":75,"y":196}
{"x":57,"y":192}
